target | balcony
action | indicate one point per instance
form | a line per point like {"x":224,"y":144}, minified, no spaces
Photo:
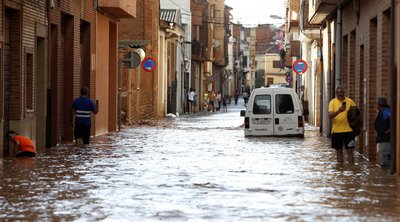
{"x":309,"y":30}
{"x":119,"y":8}
{"x":322,"y":9}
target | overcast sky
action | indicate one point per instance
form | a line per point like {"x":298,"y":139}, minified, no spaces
{"x":254,"y":12}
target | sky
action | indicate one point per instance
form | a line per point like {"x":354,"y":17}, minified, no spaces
{"x":255,"y":12}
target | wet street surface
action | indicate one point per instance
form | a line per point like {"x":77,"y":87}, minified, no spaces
{"x":197,"y":168}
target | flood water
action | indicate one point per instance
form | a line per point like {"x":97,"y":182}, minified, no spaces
{"x":198,"y":168}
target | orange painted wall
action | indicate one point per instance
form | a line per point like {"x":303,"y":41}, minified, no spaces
{"x":102,"y":73}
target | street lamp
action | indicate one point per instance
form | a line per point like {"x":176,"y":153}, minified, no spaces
{"x":276,"y":17}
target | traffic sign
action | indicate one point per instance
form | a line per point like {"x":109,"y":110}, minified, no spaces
{"x":149,"y":64}
{"x":300,"y":66}
{"x":289,"y":79}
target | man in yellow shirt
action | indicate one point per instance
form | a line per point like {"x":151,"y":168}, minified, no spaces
{"x":342,"y":134}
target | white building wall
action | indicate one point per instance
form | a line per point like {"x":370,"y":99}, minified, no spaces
{"x":184,"y":49}
{"x":230,"y":68}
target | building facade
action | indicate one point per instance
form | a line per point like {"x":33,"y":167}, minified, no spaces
{"x":355,"y":53}
{"x":53,"y":53}
{"x":23,"y":47}
{"x":138,"y":89}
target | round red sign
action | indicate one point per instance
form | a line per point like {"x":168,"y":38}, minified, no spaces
{"x":300,"y":66}
{"x":149,"y":64}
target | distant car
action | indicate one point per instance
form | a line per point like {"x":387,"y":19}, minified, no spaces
{"x":273,"y":111}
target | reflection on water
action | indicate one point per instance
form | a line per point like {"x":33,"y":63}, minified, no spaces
{"x":201,"y":168}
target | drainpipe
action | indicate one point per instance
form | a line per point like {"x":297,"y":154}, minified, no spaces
{"x":329,"y":69}
{"x":338,"y":65}
{"x":138,"y":95}
{"x":393,"y":77}
{"x":321,"y":88}
{"x":119,"y":94}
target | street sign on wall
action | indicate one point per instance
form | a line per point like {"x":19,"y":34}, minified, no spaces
{"x":289,"y":79}
{"x":149,"y":64}
{"x":300,"y":66}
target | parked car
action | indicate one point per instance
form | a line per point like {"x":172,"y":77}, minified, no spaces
{"x":273,"y":111}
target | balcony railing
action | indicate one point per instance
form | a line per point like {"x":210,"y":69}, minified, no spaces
{"x":119,"y":8}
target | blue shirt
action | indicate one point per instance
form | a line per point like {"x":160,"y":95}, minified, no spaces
{"x":382,"y":125}
{"x":83,"y":109}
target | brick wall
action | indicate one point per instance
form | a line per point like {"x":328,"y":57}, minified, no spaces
{"x":264,"y":36}
{"x":144,"y":27}
{"x":17,"y":52}
{"x":371,"y":39}
{"x":16,"y":71}
{"x":65,"y":88}
{"x":133,"y":28}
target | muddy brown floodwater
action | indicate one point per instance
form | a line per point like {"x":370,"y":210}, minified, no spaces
{"x":198,"y":168}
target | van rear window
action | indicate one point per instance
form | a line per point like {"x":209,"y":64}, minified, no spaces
{"x":284,"y":104}
{"x":262,"y":104}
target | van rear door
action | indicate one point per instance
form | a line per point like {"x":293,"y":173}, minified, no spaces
{"x":285,"y":114}
{"x":261,"y":120}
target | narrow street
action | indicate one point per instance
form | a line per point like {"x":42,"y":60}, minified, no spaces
{"x":197,"y":168}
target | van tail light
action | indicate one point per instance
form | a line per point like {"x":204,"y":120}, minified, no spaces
{"x":246,"y":122}
{"x":300,"y":121}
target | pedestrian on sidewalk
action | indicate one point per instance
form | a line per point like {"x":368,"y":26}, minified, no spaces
{"x":382,"y":128}
{"x":24,"y":144}
{"x":81,"y":110}
{"x":342,"y":133}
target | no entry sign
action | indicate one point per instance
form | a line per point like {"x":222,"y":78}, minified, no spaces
{"x":149,"y":64}
{"x":300,"y":66}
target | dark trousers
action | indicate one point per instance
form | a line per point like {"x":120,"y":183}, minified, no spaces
{"x":26,"y":154}
{"x":82,"y":131}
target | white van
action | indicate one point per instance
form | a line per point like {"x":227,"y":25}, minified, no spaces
{"x":273,"y":111}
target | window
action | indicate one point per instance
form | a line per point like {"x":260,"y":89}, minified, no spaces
{"x":270,"y":81}
{"x":262,"y":104}
{"x":284,"y":104}
{"x":212,"y":11}
{"x":245,"y":61}
{"x":29,"y":81}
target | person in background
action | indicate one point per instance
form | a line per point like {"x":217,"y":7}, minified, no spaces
{"x":24,"y":144}
{"x":382,"y":128}
{"x":211,"y":99}
{"x":224,"y":101}
{"x":82,"y":109}
{"x":219,"y":100}
{"x":342,"y":133}
{"x":194,"y":100}
{"x":245,"y":97}
{"x":236,"y":95}
{"x":191,"y":99}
